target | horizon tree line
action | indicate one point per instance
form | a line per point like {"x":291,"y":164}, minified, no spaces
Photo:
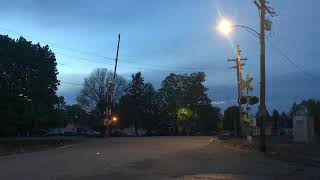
{"x":181,"y":106}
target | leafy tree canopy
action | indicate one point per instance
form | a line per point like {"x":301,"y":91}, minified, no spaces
{"x":28,"y":84}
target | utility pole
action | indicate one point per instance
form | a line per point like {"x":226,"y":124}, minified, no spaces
{"x":263,"y":26}
{"x":262,"y":75}
{"x":239,"y":82}
{"x":108,"y":120}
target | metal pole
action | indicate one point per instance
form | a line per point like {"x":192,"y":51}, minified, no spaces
{"x":262,"y":76}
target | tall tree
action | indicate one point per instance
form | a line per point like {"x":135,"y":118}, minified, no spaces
{"x":139,"y":107}
{"x":209,"y":117}
{"x":28,"y":84}
{"x":275,"y":118}
{"x":182,"y":91}
{"x":150,"y":107}
{"x":135,"y":92}
{"x":132,"y":104}
{"x":285,"y":121}
{"x":92,"y":97}
{"x":230,"y":115}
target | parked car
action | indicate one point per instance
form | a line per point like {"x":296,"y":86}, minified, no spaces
{"x":38,"y":132}
{"x":119,"y":133}
{"x":91,"y":133}
{"x":55,"y":132}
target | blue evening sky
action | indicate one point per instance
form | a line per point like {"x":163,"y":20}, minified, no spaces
{"x":163,"y":36}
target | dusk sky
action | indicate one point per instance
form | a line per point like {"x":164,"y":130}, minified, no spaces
{"x":163,"y":36}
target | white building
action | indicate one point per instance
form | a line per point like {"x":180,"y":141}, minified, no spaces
{"x":303,"y":127}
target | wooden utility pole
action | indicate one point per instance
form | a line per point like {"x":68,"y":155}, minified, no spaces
{"x":264,"y":25}
{"x":108,"y":120}
{"x":262,"y":75}
{"x":239,"y":82}
{"x":115,"y":67}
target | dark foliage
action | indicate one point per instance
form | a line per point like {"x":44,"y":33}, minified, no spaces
{"x":28,"y":86}
{"x":230,"y":115}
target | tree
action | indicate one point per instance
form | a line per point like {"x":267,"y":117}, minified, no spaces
{"x":150,"y":107}
{"x":294,"y":108}
{"x":138,"y":107}
{"x":135,"y":93}
{"x":209,"y":117}
{"x":180,"y":91}
{"x":75,"y":114}
{"x":275,"y":119}
{"x":184,"y":120}
{"x":28,"y":84}
{"x":92,"y":97}
{"x":285,"y":121}
{"x":231,"y":114}
{"x":258,"y":117}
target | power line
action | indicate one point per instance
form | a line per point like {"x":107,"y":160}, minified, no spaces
{"x":57,"y":45}
{"x":90,"y":53}
{"x":287,"y":58}
{"x":131,"y":66}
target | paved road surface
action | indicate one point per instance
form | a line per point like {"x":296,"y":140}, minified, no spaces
{"x":148,"y":158}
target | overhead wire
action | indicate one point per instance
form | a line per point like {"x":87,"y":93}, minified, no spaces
{"x":92,"y":53}
{"x":186,"y":69}
{"x":288,"y":59}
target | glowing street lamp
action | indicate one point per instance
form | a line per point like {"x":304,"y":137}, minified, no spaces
{"x":225,"y":27}
{"x":114,"y":119}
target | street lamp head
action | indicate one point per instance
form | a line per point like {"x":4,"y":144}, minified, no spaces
{"x":114,"y":119}
{"x":225,"y":27}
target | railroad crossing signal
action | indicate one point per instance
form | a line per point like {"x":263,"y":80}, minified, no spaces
{"x":246,"y":84}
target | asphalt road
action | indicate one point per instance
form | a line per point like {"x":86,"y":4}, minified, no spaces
{"x":149,"y":158}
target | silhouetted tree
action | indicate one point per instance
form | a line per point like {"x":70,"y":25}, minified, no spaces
{"x":182,"y":91}
{"x":92,"y":97}
{"x":75,"y":114}
{"x":231,"y":114}
{"x":138,"y":107}
{"x":209,"y":117}
{"x":275,"y":119}
{"x":285,"y":121}
{"x":28,"y":85}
